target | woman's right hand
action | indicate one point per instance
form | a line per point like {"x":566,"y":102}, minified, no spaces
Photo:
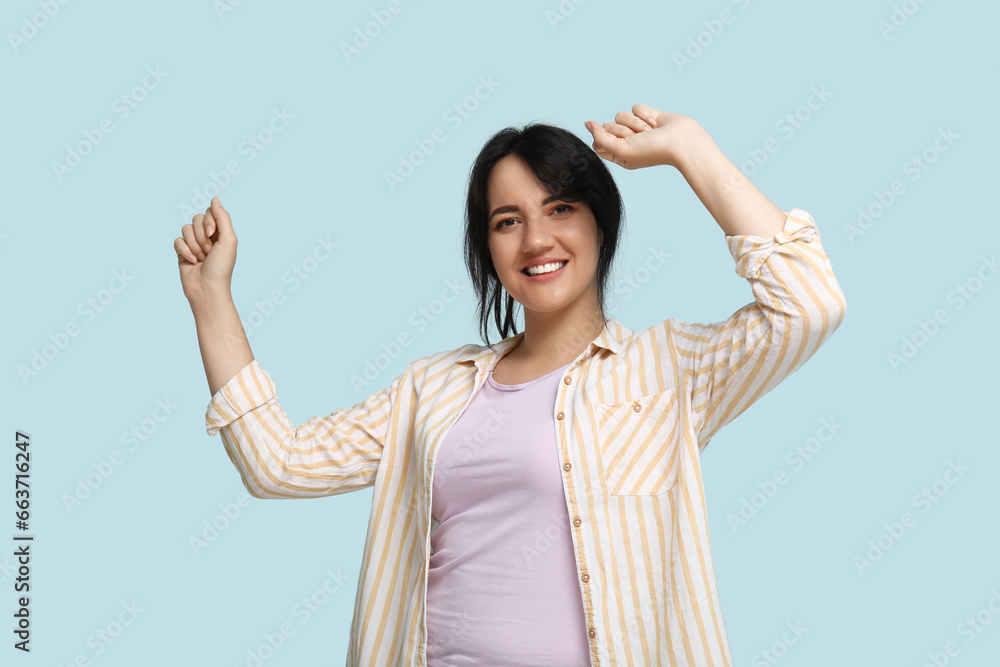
{"x":206,"y":253}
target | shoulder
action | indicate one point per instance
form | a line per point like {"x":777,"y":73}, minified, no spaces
{"x":664,"y":335}
{"x":438,"y":361}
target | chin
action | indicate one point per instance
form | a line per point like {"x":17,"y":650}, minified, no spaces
{"x":546,"y":306}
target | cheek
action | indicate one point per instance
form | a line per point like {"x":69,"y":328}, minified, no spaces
{"x":498,"y":255}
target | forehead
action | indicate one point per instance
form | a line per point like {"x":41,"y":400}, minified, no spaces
{"x":511,"y":177}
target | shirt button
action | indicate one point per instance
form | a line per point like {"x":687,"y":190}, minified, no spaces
{"x":559,"y":416}
{"x":636,"y":407}
{"x":585,"y":577}
{"x":567,"y":380}
{"x":592,"y":633}
{"x":567,"y":466}
{"x":576,"y":521}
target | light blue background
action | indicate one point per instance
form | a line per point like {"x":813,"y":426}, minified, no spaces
{"x":323,"y":176}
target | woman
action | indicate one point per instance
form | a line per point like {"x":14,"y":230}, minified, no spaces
{"x":538,"y":501}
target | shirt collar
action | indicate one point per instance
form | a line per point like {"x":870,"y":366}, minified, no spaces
{"x":610,"y":338}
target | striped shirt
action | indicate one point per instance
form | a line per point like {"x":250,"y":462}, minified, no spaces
{"x":633,"y":412}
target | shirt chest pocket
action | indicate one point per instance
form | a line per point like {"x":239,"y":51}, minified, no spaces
{"x":638,"y":441}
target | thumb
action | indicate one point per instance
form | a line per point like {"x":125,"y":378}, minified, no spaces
{"x":221,"y":217}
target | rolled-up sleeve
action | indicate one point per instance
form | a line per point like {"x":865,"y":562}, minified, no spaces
{"x":326,"y":455}
{"x":797,"y":306}
{"x":248,"y":389}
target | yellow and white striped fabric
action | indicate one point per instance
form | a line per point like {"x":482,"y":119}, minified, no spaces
{"x":633,"y":413}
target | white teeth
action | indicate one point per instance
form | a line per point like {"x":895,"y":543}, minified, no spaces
{"x":539,"y":269}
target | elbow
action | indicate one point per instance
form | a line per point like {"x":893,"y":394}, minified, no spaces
{"x":815,"y":321}
{"x":268,"y":492}
{"x":273,"y":483}
{"x":827,"y":311}
{"x":255,"y":490}
{"x":838,"y":309}
{"x":265,"y":481}
{"x":252,"y":490}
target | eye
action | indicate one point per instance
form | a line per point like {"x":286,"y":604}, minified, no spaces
{"x":568,"y":209}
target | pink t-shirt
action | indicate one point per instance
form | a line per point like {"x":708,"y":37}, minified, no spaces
{"x":503,"y":586}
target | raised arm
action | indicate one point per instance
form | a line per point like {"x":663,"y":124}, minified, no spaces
{"x":325,"y":455}
{"x":737,"y":205}
{"x":797,"y":306}
{"x":798,"y":303}
{"x":646,"y":137}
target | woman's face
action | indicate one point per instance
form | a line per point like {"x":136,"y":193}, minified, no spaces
{"x":526,"y":224}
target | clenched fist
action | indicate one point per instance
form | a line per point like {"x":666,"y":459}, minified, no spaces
{"x":206,"y":253}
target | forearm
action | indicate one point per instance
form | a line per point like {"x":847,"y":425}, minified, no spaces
{"x":735,"y":203}
{"x":225,"y":349}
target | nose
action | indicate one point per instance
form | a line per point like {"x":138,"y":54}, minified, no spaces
{"x":536,"y":235}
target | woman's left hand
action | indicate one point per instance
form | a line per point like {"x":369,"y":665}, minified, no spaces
{"x":643,"y":137}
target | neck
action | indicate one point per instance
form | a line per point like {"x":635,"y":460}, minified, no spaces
{"x":560,"y":336}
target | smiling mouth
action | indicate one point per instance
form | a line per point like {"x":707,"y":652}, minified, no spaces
{"x":535,"y":275}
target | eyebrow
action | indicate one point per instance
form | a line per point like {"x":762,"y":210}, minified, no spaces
{"x":510,"y":208}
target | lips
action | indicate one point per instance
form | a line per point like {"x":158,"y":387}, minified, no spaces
{"x":547,"y":275}
{"x":564,"y":262}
